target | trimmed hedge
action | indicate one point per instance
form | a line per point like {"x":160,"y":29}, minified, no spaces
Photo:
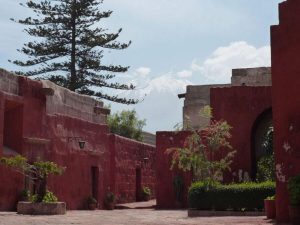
{"x":245,"y":196}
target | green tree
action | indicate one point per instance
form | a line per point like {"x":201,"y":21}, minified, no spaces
{"x":266,"y":164}
{"x":69,"y":47}
{"x":200,"y":151}
{"x":126,"y":124}
{"x":37,"y":172}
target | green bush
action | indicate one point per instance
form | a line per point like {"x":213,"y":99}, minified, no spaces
{"x":48,"y":197}
{"x":266,"y":168}
{"x":271,"y":197}
{"x":91,"y":200}
{"x":146,"y":191}
{"x":294,"y":190}
{"x":238,"y":197}
{"x":110,"y":197}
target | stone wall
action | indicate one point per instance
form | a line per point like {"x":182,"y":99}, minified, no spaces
{"x":149,"y":138}
{"x":8,"y":83}
{"x":252,"y":77}
{"x":66,"y":102}
{"x":196,"y":97}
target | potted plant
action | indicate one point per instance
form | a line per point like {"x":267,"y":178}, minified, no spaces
{"x":270,"y":207}
{"x":146,"y":193}
{"x":109,"y":200}
{"x":294,"y":196}
{"x":92,"y":203}
{"x":42,"y":201}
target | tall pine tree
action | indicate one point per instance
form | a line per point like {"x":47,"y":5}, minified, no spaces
{"x":69,"y":47}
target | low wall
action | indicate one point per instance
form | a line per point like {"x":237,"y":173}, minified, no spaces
{"x":132,"y":167}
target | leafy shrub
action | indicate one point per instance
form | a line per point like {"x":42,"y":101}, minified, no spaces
{"x":245,"y":196}
{"x":37,"y":172}
{"x":200,"y":149}
{"x":33,"y":198}
{"x":91,"y":200}
{"x":48,"y":197}
{"x":109,"y":197}
{"x":271,"y":197}
{"x":294,"y":190}
{"x":146,"y":191}
{"x":266,"y":168}
{"x":25,"y":195}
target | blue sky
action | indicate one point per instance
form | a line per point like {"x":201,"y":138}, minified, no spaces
{"x":174,"y":43}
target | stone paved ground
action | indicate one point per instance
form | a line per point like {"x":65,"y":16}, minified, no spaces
{"x":127,"y":217}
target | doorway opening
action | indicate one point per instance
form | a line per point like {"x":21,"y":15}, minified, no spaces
{"x":261,"y":139}
{"x":12,"y":128}
{"x":138,"y":185}
{"x":95,"y":182}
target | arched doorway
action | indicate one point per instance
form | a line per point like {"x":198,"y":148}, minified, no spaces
{"x":260,"y":130}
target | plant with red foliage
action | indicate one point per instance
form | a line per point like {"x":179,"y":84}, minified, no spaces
{"x":206,"y":152}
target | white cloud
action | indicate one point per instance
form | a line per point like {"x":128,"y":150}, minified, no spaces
{"x":185,"y":73}
{"x":143,"y":71}
{"x":218,"y":66}
{"x":166,"y":83}
{"x":161,"y":107}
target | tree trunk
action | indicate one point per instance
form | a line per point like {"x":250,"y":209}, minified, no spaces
{"x":72,"y":84}
{"x":41,"y":189}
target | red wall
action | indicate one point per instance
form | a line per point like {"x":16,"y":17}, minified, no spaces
{"x":240,"y":107}
{"x":231,"y":104}
{"x":285,"y":47}
{"x":165,"y":194}
{"x":127,"y":157}
{"x":111,"y":157}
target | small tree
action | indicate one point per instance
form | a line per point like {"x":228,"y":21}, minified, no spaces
{"x":200,"y":149}
{"x":126,"y":124}
{"x":37,"y":172}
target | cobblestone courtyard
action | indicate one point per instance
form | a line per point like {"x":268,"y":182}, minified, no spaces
{"x":126,"y":217}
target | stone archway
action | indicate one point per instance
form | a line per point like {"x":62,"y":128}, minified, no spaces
{"x":259,"y":131}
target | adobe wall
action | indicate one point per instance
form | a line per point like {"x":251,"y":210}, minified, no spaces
{"x":196,"y":97}
{"x":285,"y":48}
{"x":128,"y":156}
{"x":66,"y":102}
{"x":30,"y":126}
{"x":165,"y":192}
{"x":149,"y":138}
{"x":240,"y":107}
{"x":29,"y":130}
